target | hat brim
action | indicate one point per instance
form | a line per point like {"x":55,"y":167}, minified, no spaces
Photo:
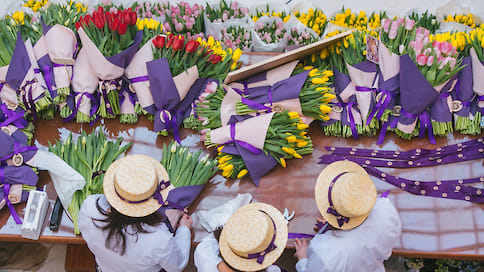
{"x":133,"y":209}
{"x":280,"y":241}
{"x":321,"y":192}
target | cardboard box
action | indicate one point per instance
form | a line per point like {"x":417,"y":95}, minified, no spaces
{"x":283,"y":58}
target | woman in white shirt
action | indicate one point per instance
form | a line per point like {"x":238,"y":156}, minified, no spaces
{"x":365,"y":228}
{"x":123,"y":229}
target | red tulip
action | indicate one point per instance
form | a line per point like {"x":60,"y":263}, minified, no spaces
{"x":87,"y":19}
{"x":191,"y":46}
{"x":114,"y":24}
{"x":100,"y":10}
{"x":98,"y":21}
{"x":122,"y":28}
{"x":133,"y":18}
{"x":127,"y":18}
{"x":178,"y":44}
{"x":78,"y":25}
{"x":159,"y":41}
{"x":171,"y":38}
{"x":214,"y":58}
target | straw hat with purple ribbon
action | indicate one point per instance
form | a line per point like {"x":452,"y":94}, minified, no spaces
{"x":254,"y":237}
{"x":136,"y":185}
{"x":345,"y":194}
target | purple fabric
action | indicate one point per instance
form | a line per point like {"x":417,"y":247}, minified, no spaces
{"x":347,"y":118}
{"x":6,"y":191}
{"x":162,"y":86}
{"x":10,"y":147}
{"x":45,"y":27}
{"x":94,"y":105}
{"x":181,"y":197}
{"x":10,"y":117}
{"x":366,"y":66}
{"x":256,"y":78}
{"x":20,"y":137}
{"x":19,"y":65}
{"x":439,"y":110}
{"x":151,"y":109}
{"x":18,"y":175}
{"x":46,"y":66}
{"x":123,"y":58}
{"x":416,"y":93}
{"x":340,"y":81}
{"x":463,"y":90}
{"x":243,"y":144}
{"x":331,"y":210}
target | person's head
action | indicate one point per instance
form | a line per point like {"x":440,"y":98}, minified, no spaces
{"x":135,"y":187}
{"x":345,"y":194}
{"x":254,"y":237}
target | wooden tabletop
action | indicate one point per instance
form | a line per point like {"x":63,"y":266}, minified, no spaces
{"x":431,"y":227}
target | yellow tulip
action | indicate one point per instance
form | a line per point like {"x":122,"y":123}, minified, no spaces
{"x":301,"y":126}
{"x":291,"y":139}
{"x":324,"y":108}
{"x":288,"y":150}
{"x":237,"y":54}
{"x":324,"y":117}
{"x":296,"y":155}
{"x":283,"y":162}
{"x":242,"y":173}
{"x":301,"y":144}
{"x":319,"y":80}
{"x":293,"y":115}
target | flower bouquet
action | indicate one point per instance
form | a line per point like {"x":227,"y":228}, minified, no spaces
{"x":363,"y":73}
{"x":58,"y":24}
{"x":426,"y":20}
{"x":314,"y":19}
{"x":375,"y":20}
{"x":111,"y":40}
{"x":186,"y":69}
{"x":257,"y":144}
{"x":269,"y":34}
{"x":90,"y":155}
{"x":299,"y":34}
{"x":237,"y":37}
{"x":224,"y":16}
{"x":15,"y":150}
{"x":183,"y":19}
{"x":348,"y":19}
{"x":425,"y":74}
{"x":188,"y":174}
{"x":477,"y":60}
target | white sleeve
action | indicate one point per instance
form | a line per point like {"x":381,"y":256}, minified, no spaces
{"x":206,"y":256}
{"x":273,"y":268}
{"x":179,"y":253}
{"x":302,"y":265}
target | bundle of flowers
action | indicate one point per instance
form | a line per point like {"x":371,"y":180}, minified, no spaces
{"x":110,"y":39}
{"x":270,"y":11}
{"x":425,"y":76}
{"x":237,"y":37}
{"x":426,"y":20}
{"x":348,"y":19}
{"x":299,"y":34}
{"x":254,"y":146}
{"x":224,"y":15}
{"x":465,"y":19}
{"x":269,"y":34}
{"x":90,"y":155}
{"x":375,"y":20}
{"x":477,"y":61}
{"x":12,"y":122}
{"x":178,"y":74}
{"x":183,"y":19}
{"x":35,"y":5}
{"x":314,"y":19}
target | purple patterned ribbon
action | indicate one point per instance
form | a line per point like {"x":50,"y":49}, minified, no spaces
{"x":14,"y":118}
{"x":262,"y":254}
{"x":93,"y":110}
{"x":424,"y":123}
{"x":381,"y":106}
{"x":6,"y":191}
{"x":331,"y":210}
{"x":18,"y":150}
{"x":156,"y":195}
{"x":243,"y":144}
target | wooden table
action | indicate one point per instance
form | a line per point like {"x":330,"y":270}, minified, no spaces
{"x":431,"y":227}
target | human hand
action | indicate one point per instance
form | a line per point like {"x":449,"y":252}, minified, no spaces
{"x":301,"y":248}
{"x":186,"y":220}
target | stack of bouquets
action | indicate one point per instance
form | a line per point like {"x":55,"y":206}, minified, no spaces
{"x":178,"y":74}
{"x":237,"y":37}
{"x":110,"y":40}
{"x":16,"y":160}
{"x":188,"y":173}
{"x":90,"y":155}
{"x":477,"y":60}
{"x":226,"y":16}
{"x":394,"y":38}
{"x":426,"y":74}
{"x":57,"y":48}
{"x":269,"y":34}
{"x":183,"y":19}
{"x":22,"y":73}
{"x":363,"y":74}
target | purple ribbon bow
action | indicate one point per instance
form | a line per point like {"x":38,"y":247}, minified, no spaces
{"x":348,"y":106}
{"x":340,"y":218}
{"x":243,"y":144}
{"x":381,"y":105}
{"x":261,"y":255}
{"x":14,"y":118}
{"x":94,"y":106}
{"x":17,"y":150}
{"x":424,"y":123}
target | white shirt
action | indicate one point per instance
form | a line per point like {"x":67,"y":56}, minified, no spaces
{"x":363,"y":248}
{"x":147,"y":252}
{"x":207,"y":256}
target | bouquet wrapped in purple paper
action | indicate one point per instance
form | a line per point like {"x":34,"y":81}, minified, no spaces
{"x":477,"y":60}
{"x":15,"y":151}
{"x":255,"y":145}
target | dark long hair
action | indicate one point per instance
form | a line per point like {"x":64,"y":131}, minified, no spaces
{"x":118,"y":223}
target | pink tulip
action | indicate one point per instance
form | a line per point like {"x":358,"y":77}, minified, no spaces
{"x":430,"y":61}
{"x":409,"y":24}
{"x":441,"y":62}
{"x":234,"y":5}
{"x":166,"y":27}
{"x":418,"y":46}
{"x":386,"y":25}
{"x":427,"y":51}
{"x":436,"y":45}
{"x":245,"y":10}
{"x":106,"y":2}
{"x":178,"y":27}
{"x":421,"y":60}
{"x":400,"y":21}
{"x":277,"y":32}
{"x":189,"y":25}
{"x":446,"y":48}
{"x":279,"y":24}
{"x":246,"y":35}
{"x":393,"y":30}
{"x":452,"y":62}
{"x":225,"y":16}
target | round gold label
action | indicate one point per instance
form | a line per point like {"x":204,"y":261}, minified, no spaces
{"x":17,"y":159}
{"x":162,"y":114}
{"x":337,"y":109}
{"x":277,"y":108}
{"x":456,"y":105}
{"x":396,"y":110}
{"x":6,"y":130}
{"x":12,"y":105}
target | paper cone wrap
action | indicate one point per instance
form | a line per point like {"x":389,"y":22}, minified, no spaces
{"x":363,"y":75}
{"x":478,"y":78}
{"x":84,"y":84}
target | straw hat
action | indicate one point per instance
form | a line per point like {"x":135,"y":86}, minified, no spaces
{"x":250,"y":230}
{"x":130,"y":184}
{"x":353,"y":193}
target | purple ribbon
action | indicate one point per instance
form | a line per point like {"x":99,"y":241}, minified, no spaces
{"x":170,"y":123}
{"x":6,"y":191}
{"x":340,"y":218}
{"x":138,"y":79}
{"x":1,"y":86}
{"x":104,"y":93}
{"x":383,"y":131}
{"x":364,"y":89}
{"x":48,"y":79}
{"x":261,"y":255}
{"x":244,"y":92}
{"x":93,"y":110}
{"x":255,"y":105}
{"x":18,"y":150}
{"x":381,"y":106}
{"x":27,"y":98}
{"x":424,"y":123}
{"x":132,"y":96}
{"x":156,"y":195}
{"x":444,"y":95}
{"x":243,"y":144}
{"x":15,"y":118}
{"x":348,"y":107}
